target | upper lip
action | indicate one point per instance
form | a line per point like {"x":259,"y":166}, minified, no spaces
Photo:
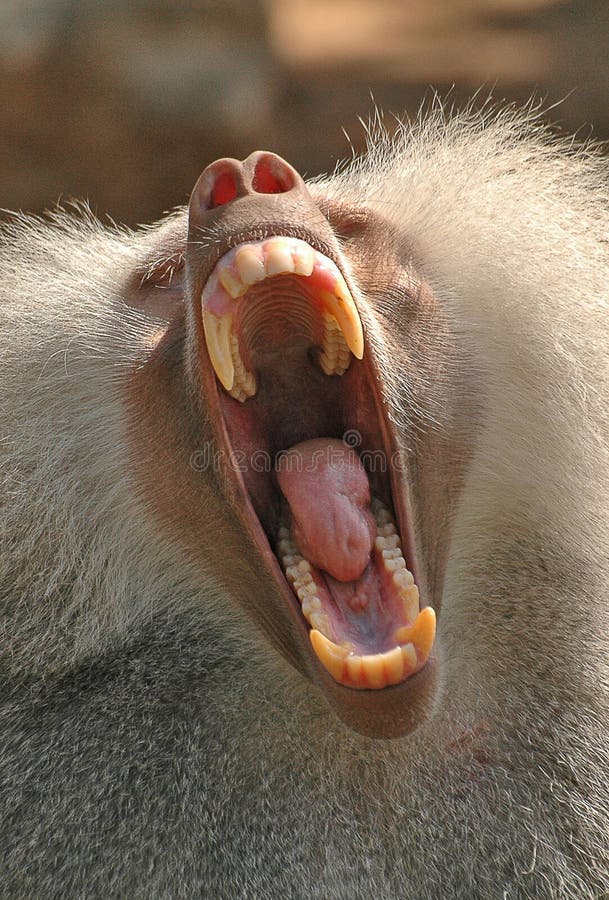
{"x":223,"y":243}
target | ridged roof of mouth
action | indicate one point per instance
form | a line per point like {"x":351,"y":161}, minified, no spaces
{"x":304,"y":415}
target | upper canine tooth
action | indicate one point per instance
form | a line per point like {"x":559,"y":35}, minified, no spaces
{"x":278,"y":258}
{"x":217,"y":336}
{"x":249,"y":265}
{"x":342,"y":306}
{"x":420,"y":634}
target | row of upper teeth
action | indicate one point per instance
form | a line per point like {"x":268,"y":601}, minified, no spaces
{"x":253,"y":262}
{"x":335,"y":356}
{"x":414,"y":637}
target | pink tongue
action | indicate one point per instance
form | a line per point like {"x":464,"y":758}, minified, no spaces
{"x":327,"y":489}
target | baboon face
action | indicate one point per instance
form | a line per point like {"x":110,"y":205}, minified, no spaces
{"x":301,"y":430}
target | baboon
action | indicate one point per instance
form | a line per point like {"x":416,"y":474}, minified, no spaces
{"x":304,"y":530}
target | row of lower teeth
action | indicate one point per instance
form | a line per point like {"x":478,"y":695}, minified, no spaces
{"x":377,"y":670}
{"x":299,"y":574}
{"x":299,"y":571}
{"x":413,"y":639}
{"x":387,"y":545}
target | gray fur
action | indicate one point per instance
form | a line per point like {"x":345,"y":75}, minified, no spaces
{"x":151,"y":744}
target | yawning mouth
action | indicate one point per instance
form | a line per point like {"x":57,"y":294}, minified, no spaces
{"x":311,"y":443}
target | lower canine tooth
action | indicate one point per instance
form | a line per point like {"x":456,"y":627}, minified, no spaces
{"x":420,"y":634}
{"x":330,"y":654}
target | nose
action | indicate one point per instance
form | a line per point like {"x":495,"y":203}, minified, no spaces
{"x":235,"y":201}
{"x":227,"y":180}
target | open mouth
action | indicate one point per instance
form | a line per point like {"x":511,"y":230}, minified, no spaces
{"x":311,"y":443}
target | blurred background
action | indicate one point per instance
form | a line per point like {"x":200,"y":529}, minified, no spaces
{"x":124,"y":102}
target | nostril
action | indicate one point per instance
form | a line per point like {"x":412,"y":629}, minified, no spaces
{"x":221,"y":183}
{"x":228,"y":180}
{"x":224,"y":189}
{"x":272,"y":176}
